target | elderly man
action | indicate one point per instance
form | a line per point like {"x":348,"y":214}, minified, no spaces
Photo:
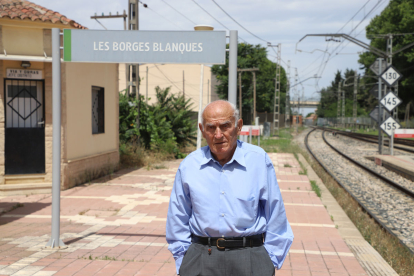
{"x":226,"y":215}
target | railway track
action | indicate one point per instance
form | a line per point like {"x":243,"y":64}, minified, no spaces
{"x":406,"y":145}
{"x":387,"y":201}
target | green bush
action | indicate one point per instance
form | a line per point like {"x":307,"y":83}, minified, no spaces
{"x":165,"y":126}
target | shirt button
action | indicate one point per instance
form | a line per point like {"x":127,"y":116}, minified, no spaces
{"x":222,"y":193}
{"x":222,"y":215}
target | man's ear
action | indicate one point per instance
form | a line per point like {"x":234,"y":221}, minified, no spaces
{"x":239,"y":126}
{"x":200,"y":126}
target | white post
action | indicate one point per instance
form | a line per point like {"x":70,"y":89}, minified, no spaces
{"x":55,"y":240}
{"x":392,"y":143}
{"x":250,"y":135}
{"x":232,"y":84}
{"x":200,"y":107}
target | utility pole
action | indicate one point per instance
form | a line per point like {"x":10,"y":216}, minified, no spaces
{"x":355,"y":98}
{"x":208,"y":91}
{"x":287,"y":105}
{"x":276,"y":100}
{"x":240,"y":95}
{"x":146,"y":92}
{"x":338,"y":114}
{"x":124,"y":16}
{"x":254,"y":97}
{"x":183,"y":86}
{"x":343,"y":107}
{"x":296,"y":85}
{"x":253,"y":70}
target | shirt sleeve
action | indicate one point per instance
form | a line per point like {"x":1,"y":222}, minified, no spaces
{"x":279,"y":235}
{"x":178,"y":233}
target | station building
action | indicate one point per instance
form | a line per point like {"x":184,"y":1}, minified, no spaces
{"x":89,"y":120}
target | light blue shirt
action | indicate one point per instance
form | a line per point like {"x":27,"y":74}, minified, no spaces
{"x":241,"y":198}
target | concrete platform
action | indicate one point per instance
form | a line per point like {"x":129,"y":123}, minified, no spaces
{"x":401,"y":164}
{"x":117,"y":227}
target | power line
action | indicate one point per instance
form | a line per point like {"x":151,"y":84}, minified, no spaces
{"x":215,"y":18}
{"x":179,"y":12}
{"x":238,"y":22}
{"x":164,"y":17}
{"x":167,"y":77}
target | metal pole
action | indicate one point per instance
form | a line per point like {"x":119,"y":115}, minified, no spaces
{"x":338,"y":114}
{"x":55,"y":240}
{"x":232,"y":97}
{"x":392,"y":143}
{"x":379,"y":106}
{"x":208,"y":91}
{"x":200,"y":107}
{"x":355,"y":98}
{"x":287,"y":108}
{"x":254,"y":96}
{"x":183,"y":85}
{"x":146,"y":92}
{"x":250,"y":135}
{"x":240,"y":95}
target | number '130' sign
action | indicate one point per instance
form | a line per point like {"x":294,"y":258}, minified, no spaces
{"x":391,"y":75}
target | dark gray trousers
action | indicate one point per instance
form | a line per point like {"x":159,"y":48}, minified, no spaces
{"x":248,"y":261}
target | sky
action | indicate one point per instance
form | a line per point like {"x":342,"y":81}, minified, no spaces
{"x":262,"y":21}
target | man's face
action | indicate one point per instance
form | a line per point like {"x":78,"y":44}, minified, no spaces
{"x":220,"y":130}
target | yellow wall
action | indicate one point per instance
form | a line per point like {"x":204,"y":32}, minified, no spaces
{"x":164,"y":75}
{"x":80,"y":77}
{"x":22,"y":41}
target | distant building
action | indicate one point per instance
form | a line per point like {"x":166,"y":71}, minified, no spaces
{"x":89,"y":105}
{"x":183,"y":79}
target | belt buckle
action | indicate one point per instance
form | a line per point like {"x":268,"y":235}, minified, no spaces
{"x":219,"y":247}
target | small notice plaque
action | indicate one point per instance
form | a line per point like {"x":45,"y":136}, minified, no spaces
{"x":30,"y":74}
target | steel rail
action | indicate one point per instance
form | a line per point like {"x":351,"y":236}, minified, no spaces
{"x":358,"y":137}
{"x":383,"y":178}
{"x":360,"y":203}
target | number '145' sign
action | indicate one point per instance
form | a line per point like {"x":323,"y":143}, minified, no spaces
{"x":390,"y":101}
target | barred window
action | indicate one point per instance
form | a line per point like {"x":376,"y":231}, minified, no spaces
{"x":98,"y":110}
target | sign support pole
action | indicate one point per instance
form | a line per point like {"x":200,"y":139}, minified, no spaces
{"x":55,"y":240}
{"x":379,"y":106}
{"x":232,"y":97}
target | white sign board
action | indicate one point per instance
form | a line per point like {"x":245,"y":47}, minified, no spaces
{"x":390,"y":101}
{"x":30,"y":74}
{"x":404,"y":133}
{"x":199,"y":47}
{"x":245,"y":130}
{"x":391,"y":75}
{"x":388,"y":125}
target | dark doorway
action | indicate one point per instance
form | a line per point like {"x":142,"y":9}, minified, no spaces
{"x":24,"y":129}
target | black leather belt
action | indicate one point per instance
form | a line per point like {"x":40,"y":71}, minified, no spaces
{"x":229,"y":242}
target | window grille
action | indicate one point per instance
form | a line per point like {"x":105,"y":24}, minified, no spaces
{"x":98,"y":110}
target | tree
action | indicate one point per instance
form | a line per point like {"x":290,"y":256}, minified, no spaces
{"x":397,"y":17}
{"x":328,"y":104}
{"x":250,"y":56}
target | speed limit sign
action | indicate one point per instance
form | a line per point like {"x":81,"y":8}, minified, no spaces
{"x":388,"y":125}
{"x":391,"y":75}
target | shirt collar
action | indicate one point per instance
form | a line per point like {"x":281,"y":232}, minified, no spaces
{"x":238,"y":156}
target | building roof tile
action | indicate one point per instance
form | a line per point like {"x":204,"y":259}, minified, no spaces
{"x":22,"y":9}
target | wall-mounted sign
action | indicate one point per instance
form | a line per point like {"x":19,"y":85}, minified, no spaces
{"x":30,"y":74}
{"x":201,"y":47}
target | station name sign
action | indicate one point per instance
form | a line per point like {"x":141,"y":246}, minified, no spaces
{"x":207,"y":47}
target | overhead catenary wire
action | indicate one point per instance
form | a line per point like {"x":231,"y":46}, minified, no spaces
{"x":179,"y":13}
{"x":239,"y":23}
{"x":164,"y":17}
{"x":215,"y":18}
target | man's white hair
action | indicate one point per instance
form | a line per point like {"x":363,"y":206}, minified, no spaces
{"x":236,"y":113}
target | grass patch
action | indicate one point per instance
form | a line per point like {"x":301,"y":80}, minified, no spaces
{"x":287,"y":166}
{"x":315,"y":188}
